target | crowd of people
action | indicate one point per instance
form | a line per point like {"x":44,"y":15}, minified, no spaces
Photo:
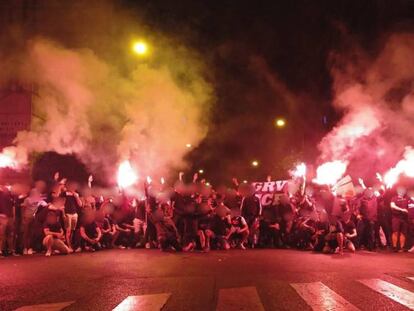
{"x":59,"y":218}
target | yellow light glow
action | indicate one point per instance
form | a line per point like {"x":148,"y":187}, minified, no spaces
{"x":255,"y":163}
{"x":140,"y":47}
{"x":280,"y":122}
{"x":201,"y":171}
{"x":188,"y":145}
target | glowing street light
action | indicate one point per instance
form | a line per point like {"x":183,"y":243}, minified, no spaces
{"x":140,"y":48}
{"x":255,"y":163}
{"x":201,"y":171}
{"x":188,"y":145}
{"x":280,"y":122}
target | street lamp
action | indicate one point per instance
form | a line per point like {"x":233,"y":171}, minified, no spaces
{"x":280,"y":122}
{"x":140,"y":48}
{"x":255,"y":163}
{"x":201,"y":171}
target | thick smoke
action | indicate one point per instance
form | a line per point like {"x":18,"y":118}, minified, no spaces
{"x":377,"y":101}
{"x":90,"y":107}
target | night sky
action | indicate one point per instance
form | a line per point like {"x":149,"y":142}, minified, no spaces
{"x":270,"y":59}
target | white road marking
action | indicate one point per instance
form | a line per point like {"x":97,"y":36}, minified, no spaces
{"x":240,"y":299}
{"x":398,"y":294}
{"x":153,"y":302}
{"x":410,"y":278}
{"x":46,"y":306}
{"x":321,"y":298}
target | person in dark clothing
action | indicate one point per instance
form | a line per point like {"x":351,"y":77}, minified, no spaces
{"x":399,"y":220}
{"x":167,"y":233}
{"x":251,"y":209}
{"x":204,"y":215}
{"x":219,"y":228}
{"x":350,"y":232}
{"x":90,"y":233}
{"x":105,"y":224}
{"x":269,"y":234}
{"x":73,"y":204}
{"x":367,"y":219}
{"x":7,"y":218}
{"x":384,"y":217}
{"x":190,"y":225}
{"x":287,"y":214}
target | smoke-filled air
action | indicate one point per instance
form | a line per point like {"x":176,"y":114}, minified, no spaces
{"x":375,"y":95}
{"x":146,"y":111}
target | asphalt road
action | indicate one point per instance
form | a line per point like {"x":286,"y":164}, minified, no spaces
{"x":260,"y":279}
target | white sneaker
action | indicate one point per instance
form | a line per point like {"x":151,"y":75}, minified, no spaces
{"x":78,"y":250}
{"x":48,"y":254}
{"x":25,"y":251}
{"x":411,"y":250}
{"x":30,"y":251}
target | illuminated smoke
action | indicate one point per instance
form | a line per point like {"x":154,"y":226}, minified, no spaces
{"x":376,"y":99}
{"x":126,"y":175}
{"x":299,"y":171}
{"x":8,"y":159}
{"x":105,"y":111}
{"x":330,"y":172}
{"x":403,"y":167}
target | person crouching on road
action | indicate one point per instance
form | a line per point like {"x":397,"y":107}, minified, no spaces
{"x":219,"y":228}
{"x":350,"y":232}
{"x":167,"y":233}
{"x":239,"y":232}
{"x":54,"y":235}
{"x":90,"y":233}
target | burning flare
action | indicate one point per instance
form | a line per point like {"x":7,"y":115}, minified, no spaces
{"x":330,"y":172}
{"x":7,"y":160}
{"x":403,"y":167}
{"x":299,"y":171}
{"x":126,"y":176}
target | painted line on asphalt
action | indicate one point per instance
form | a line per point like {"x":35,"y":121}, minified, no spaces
{"x":46,"y":306}
{"x":240,"y":299}
{"x":398,"y":294}
{"x":410,"y":278}
{"x":154,"y":302}
{"x":321,"y":298}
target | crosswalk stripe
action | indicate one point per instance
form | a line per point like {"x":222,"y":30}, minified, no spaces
{"x":410,"y":278}
{"x":391,"y":291}
{"x":153,"y":302}
{"x":321,"y":298}
{"x":46,"y":306}
{"x":240,"y":299}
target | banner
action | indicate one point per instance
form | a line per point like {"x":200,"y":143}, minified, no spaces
{"x":269,"y":192}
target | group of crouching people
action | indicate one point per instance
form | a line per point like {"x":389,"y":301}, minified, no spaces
{"x":195,"y":217}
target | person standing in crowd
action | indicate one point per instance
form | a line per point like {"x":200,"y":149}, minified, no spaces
{"x":204,"y":215}
{"x":367,"y":219}
{"x":411,"y":222}
{"x":251,"y":209}
{"x":399,"y":221}
{"x":73,"y":205}
{"x":54,"y":235}
{"x":36,"y":198}
{"x":7,"y":222}
{"x":269,"y":234}
{"x":384,"y":217}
